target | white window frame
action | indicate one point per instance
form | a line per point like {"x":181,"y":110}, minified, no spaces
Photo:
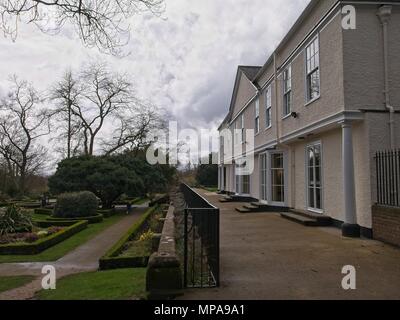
{"x":287,"y":91}
{"x":312,"y":66}
{"x":308,"y":205}
{"x":257,"y":117}
{"x":268,"y":107}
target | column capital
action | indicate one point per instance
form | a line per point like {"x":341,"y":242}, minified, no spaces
{"x":384,"y":13}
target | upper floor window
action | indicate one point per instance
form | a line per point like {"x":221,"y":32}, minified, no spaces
{"x":313,"y":76}
{"x":287,"y":91}
{"x":268,"y":108}
{"x":257,"y":117}
{"x":242,"y":128}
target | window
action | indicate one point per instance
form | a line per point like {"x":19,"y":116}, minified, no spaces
{"x":257,"y":117}
{"x":242,"y":128}
{"x":277,"y":178}
{"x":313,"y":76}
{"x":314,"y":176}
{"x":268,"y":108}
{"x":287,"y":91}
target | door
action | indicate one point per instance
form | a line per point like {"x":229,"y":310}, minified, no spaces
{"x":264,"y":178}
{"x":314,"y":177}
{"x":277,"y":178}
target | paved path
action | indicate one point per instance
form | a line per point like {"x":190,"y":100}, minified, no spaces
{"x":82,"y":259}
{"x":264,"y":256}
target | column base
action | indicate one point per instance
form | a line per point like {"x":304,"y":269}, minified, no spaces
{"x":351,"y":230}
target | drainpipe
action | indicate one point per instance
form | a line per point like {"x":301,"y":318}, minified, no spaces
{"x":384,"y":15}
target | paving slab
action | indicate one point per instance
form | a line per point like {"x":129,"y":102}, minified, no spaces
{"x":266,"y":257}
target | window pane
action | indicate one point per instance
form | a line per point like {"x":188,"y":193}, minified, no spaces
{"x":311,"y":177}
{"x":318,"y":204}
{"x":317,"y":150}
{"x":310,"y":157}
{"x":318,"y":177}
{"x":311,"y":202}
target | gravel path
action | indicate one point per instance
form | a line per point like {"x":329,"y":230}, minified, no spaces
{"x":84,"y":258}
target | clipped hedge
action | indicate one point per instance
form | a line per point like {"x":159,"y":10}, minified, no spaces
{"x":76,"y":205}
{"x":91,"y":220}
{"x":28,"y":205}
{"x":60,"y":223}
{"x":43,"y":211}
{"x":111,"y":260}
{"x":42,"y":244}
{"x":107,"y":213}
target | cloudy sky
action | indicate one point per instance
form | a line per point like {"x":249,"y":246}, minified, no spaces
{"x":185,"y":61}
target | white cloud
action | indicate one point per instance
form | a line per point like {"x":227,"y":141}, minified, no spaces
{"x":185,"y":61}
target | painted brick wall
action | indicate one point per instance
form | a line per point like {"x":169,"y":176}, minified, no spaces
{"x":386,"y":224}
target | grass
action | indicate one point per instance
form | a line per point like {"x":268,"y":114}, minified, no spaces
{"x":119,"y":284}
{"x":56,"y":252}
{"x":8,"y":283}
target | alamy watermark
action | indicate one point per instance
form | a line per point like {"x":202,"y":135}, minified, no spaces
{"x":49,"y":280}
{"x":349,"y":17}
{"x":194,"y":146}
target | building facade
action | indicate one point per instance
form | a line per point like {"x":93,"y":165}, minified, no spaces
{"x":324,"y":102}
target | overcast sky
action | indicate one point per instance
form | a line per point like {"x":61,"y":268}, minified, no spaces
{"x":185,"y":62}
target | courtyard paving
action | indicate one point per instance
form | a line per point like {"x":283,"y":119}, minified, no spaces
{"x":264,"y":256}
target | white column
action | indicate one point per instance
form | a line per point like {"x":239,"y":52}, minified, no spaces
{"x":350,"y":227}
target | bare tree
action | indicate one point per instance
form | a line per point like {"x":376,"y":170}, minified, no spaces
{"x":66,"y":94}
{"x":135,"y":128}
{"x":103,"y":95}
{"x":99,"y":23}
{"x":22,"y":124}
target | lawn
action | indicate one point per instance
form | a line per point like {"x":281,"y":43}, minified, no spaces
{"x":56,"y":252}
{"x":8,"y":283}
{"x":119,"y":284}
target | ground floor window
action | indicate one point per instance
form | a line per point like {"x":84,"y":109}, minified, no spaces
{"x":242,"y":180}
{"x":277,"y":177}
{"x":314,"y":176}
{"x":263,"y":178}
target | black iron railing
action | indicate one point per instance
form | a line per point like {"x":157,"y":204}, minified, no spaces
{"x":201,"y":241}
{"x":388,"y":177}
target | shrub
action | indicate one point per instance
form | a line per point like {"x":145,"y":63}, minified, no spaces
{"x":13,"y":220}
{"x":76,"y":205}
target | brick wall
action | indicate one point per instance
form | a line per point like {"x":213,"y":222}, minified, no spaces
{"x":386,"y":224}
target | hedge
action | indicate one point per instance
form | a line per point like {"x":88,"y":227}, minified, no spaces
{"x":42,"y":244}
{"x":111,"y":260}
{"x":44,"y":211}
{"x":107,"y":213}
{"x":61,"y":223}
{"x":91,"y":220}
{"x":28,"y":205}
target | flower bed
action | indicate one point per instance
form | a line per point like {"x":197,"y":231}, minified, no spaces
{"x":41,"y":244}
{"x":135,"y":247}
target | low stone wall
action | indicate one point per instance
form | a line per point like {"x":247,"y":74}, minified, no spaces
{"x":386,"y":224}
{"x":164,"y":276}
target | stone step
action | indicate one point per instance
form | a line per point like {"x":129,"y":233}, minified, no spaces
{"x":309,"y":222}
{"x":322,"y":220}
{"x":243,"y":210}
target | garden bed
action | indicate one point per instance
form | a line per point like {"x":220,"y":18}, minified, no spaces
{"x":135,"y":247}
{"x":24,"y":248}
